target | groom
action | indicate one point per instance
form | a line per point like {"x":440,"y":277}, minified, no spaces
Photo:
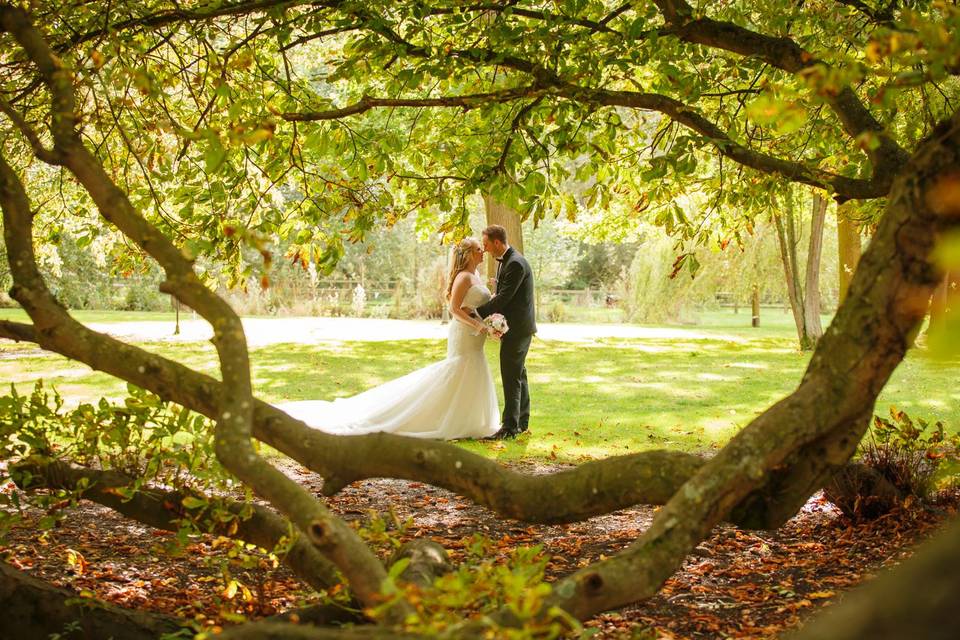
{"x":513,"y":299}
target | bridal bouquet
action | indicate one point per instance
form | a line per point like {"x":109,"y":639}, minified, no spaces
{"x":497,"y":323}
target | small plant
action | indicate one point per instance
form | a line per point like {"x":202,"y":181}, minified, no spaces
{"x":899,"y":460}
{"x":479,"y":587}
{"x":557,"y":312}
{"x":907,"y":453}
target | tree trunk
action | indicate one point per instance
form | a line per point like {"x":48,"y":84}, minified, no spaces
{"x":755,"y":321}
{"x":848,"y":245}
{"x":811,"y":298}
{"x":793,"y":286}
{"x":34,"y":609}
{"x":163,"y":509}
{"x":804,"y":297}
{"x":507,"y":218}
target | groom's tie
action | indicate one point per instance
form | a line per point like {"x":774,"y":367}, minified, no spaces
{"x":499,"y":265}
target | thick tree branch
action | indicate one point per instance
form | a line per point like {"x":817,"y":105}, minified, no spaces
{"x":181,"y":16}
{"x":784,"y":53}
{"x":866,"y":341}
{"x":162,"y":510}
{"x":842,"y":186}
{"x":590,"y":489}
{"x":234,"y":411}
{"x":17,"y":331}
{"x":35,"y":609}
{"x":683,"y":114}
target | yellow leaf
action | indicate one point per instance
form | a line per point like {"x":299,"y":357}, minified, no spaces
{"x":817,"y":595}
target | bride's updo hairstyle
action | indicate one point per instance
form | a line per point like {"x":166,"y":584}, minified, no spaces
{"x":460,"y":256}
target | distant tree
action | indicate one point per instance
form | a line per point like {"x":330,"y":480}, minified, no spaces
{"x":600,"y":265}
{"x":802,"y":291}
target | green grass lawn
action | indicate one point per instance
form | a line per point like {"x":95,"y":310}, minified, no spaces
{"x":590,"y":399}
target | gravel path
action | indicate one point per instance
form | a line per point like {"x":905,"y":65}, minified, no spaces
{"x":309,"y":330}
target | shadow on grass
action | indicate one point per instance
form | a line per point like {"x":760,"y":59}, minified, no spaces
{"x":589,"y":400}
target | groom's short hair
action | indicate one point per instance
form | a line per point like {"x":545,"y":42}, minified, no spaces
{"x":496,"y":232}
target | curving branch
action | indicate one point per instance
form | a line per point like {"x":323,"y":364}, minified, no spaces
{"x":366,"y":103}
{"x":847,"y":188}
{"x":176,"y":16}
{"x":785,"y":54}
{"x":782,"y":53}
{"x":843,"y":186}
{"x":541,"y":15}
{"x":792,"y":447}
{"x":590,"y":489}
{"x":32,"y":137}
{"x":880,"y":16}
{"x":514,"y":126}
{"x":162,"y":509}
{"x":235,"y":404}
{"x":17,"y":331}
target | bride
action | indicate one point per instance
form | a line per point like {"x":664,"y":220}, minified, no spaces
{"x":453,"y":398}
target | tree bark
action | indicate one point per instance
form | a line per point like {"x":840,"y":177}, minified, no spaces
{"x":804,"y":297}
{"x":755,"y":306}
{"x":34,"y":609}
{"x":794,"y":293}
{"x":788,"y":452}
{"x":163,"y":509}
{"x":811,"y":298}
{"x":773,"y":464}
{"x":848,"y":244}
{"x":235,"y":405}
{"x":498,"y":213}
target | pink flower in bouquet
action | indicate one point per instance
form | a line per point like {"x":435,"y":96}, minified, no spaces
{"x":497,"y":323}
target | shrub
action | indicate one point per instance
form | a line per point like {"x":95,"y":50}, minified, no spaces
{"x":143,"y":296}
{"x":898,"y":461}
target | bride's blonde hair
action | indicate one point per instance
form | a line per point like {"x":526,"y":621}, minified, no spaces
{"x":458,"y":260}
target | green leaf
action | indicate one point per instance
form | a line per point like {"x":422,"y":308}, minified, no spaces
{"x":947,"y":252}
{"x":398,"y":567}
{"x":191,"y":502}
{"x":214,"y":155}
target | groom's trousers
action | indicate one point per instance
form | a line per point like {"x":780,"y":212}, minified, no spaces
{"x":513,"y":372}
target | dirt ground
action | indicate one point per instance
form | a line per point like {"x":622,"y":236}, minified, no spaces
{"x":740,"y":584}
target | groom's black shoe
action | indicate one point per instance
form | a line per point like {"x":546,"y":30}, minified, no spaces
{"x":503,"y":434}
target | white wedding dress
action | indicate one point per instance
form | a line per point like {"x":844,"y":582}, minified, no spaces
{"x":453,"y":398}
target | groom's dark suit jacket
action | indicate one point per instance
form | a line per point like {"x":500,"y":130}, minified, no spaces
{"x":514,"y":296}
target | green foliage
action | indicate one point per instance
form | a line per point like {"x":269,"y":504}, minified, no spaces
{"x":594,"y":398}
{"x":481,"y":586}
{"x":600,"y":265}
{"x":908,"y":452}
{"x":944,"y":330}
{"x":211,"y":148}
{"x":151,"y":441}
{"x":384,"y":532}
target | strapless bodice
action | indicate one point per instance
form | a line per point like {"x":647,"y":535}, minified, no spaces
{"x":476,"y":296}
